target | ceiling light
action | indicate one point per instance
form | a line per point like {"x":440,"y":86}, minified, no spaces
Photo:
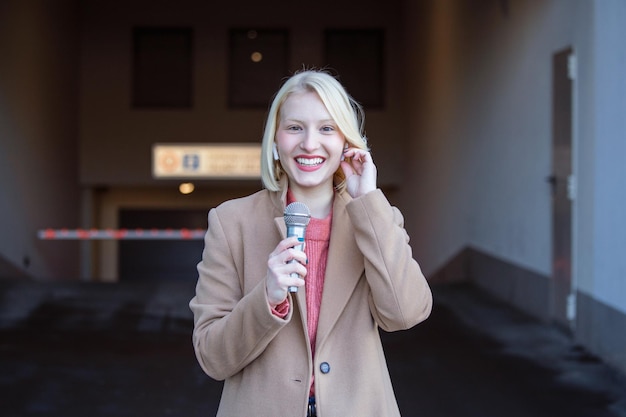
{"x":186,"y":188}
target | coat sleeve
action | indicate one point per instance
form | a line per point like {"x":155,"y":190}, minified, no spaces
{"x":231,"y":329}
{"x":400,"y":295}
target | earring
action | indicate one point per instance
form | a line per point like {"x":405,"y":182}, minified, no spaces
{"x":275,"y":152}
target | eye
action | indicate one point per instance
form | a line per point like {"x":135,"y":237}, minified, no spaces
{"x":294,"y":127}
{"x":328,"y":129}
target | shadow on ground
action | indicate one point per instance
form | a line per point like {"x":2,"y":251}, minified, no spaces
{"x":125,"y":350}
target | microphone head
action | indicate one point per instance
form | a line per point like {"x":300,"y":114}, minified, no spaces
{"x":297,"y":214}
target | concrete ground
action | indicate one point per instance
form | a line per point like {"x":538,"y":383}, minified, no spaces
{"x":92,"y":350}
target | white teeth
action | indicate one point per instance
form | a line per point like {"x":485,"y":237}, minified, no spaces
{"x":309,"y":161}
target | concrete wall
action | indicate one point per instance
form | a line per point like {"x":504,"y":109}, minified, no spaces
{"x":38,"y":136}
{"x":602,"y":188}
{"x":481,"y":128}
{"x":480,"y":113}
{"x":607,"y":129}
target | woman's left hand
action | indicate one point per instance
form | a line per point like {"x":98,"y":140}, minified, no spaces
{"x":360,"y":172}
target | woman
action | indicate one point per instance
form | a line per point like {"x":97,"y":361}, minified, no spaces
{"x":318,"y":349}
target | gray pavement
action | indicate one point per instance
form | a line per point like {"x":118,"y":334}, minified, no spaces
{"x":79,"y":349}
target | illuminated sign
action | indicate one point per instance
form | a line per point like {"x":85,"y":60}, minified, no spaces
{"x":206,"y":161}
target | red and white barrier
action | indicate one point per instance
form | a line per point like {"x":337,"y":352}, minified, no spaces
{"x":121,"y":234}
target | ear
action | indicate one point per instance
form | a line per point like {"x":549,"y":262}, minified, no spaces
{"x":275,"y":152}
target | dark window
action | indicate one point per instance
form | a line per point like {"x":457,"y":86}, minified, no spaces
{"x":258,"y":64}
{"x":358,"y":58}
{"x":162,"y":67}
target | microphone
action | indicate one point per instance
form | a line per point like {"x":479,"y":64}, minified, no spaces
{"x":297,"y":217}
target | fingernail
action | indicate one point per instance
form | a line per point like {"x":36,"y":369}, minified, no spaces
{"x":300,"y":239}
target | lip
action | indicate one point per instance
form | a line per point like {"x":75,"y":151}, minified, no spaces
{"x":307,"y":167}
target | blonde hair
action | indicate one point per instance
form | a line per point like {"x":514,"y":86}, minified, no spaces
{"x":345,"y":111}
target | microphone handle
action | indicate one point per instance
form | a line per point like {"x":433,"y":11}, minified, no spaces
{"x":298,"y":231}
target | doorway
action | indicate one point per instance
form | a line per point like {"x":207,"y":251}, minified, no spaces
{"x":159,"y":260}
{"x":561,"y":180}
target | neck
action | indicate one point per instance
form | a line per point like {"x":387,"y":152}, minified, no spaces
{"x":319,"y":201}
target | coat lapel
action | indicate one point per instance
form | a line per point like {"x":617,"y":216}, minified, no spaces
{"x":344,"y":268}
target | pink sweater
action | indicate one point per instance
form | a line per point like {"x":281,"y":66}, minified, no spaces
{"x":316,"y":248}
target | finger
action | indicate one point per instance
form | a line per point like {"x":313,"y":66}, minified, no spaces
{"x":356,"y":153}
{"x":358,"y":159}
{"x":284,"y":245}
{"x":298,"y":256}
{"x":295,"y":281}
{"x":347,"y":169}
{"x":281,"y":277}
{"x":288,"y":258}
{"x":288,"y":243}
{"x":292,"y":275}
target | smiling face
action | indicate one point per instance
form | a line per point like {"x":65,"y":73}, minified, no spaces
{"x":309,"y":143}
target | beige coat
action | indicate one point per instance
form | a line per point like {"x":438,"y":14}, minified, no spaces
{"x":371,"y":281}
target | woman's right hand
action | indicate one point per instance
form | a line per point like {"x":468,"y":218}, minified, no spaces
{"x":280,"y":268}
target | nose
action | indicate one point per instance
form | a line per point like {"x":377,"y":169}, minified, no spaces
{"x":310,"y":141}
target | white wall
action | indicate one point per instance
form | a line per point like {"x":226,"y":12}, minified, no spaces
{"x":481,"y":141}
{"x":38,"y":136}
{"x":601,"y":219}
{"x":481,"y":134}
{"x":603,"y":134}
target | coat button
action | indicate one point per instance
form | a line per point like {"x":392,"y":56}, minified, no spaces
{"x":325,"y":367}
